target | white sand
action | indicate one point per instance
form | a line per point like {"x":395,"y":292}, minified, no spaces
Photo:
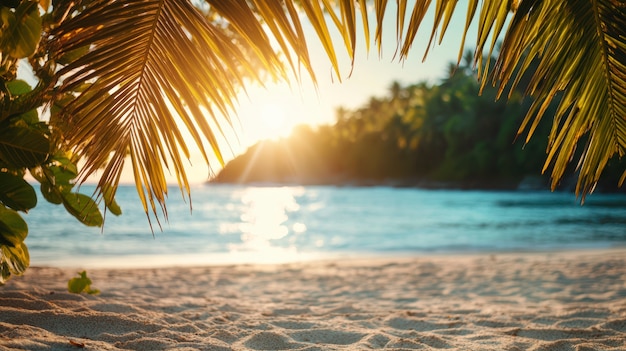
{"x":573,"y":301}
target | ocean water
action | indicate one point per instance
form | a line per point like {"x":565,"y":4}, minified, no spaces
{"x":246,"y":224}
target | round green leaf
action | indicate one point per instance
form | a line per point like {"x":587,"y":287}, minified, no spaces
{"x":50,"y":193}
{"x":60,"y":103}
{"x":23,"y":34}
{"x":13,"y":229}
{"x":16,"y":193}
{"x":31,"y":117}
{"x":22,"y":147}
{"x":17,"y":258}
{"x":108,"y":193}
{"x":83,"y":208}
{"x":5,"y":273}
{"x":18,"y":87}
{"x":64,"y":175}
{"x":73,"y":55}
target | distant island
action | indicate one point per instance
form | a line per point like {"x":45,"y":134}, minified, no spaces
{"x":445,"y":135}
{"x":289,"y":162}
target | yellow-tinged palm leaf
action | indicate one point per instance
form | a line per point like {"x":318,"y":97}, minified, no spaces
{"x":286,"y":29}
{"x":380,"y":6}
{"x":581,"y":53}
{"x":442,"y":8}
{"x":417,"y":16}
{"x":316,"y":15}
{"x":349,"y":18}
{"x":155,"y":65}
{"x":366,"y":25}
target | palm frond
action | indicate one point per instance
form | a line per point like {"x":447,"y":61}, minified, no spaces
{"x":152,"y":66}
{"x":580,"y":46}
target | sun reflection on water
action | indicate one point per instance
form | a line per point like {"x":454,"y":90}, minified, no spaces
{"x":265,"y":229}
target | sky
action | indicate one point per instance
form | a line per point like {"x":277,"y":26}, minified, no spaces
{"x":272,"y":111}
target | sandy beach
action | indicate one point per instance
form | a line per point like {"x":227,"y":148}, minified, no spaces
{"x":573,"y":301}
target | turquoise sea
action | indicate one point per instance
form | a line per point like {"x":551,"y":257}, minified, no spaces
{"x":263,"y":224}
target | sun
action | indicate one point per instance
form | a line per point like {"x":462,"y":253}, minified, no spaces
{"x":273,"y":111}
{"x":273,"y":121}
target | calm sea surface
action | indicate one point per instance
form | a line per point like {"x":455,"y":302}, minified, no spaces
{"x":244,"y":224}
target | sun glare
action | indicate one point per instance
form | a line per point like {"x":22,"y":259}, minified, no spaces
{"x":273,"y":121}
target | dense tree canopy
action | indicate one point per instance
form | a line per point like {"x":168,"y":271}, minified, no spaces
{"x":122,"y":80}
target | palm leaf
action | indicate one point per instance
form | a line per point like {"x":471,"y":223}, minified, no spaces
{"x":581,"y":50}
{"x":155,"y":67}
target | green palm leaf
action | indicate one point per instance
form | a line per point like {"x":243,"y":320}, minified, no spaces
{"x":581,"y":49}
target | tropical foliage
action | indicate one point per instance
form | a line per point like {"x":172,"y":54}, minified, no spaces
{"x":28,"y":143}
{"x":123,"y":80}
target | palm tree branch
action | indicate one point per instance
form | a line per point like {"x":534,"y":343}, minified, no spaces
{"x":152,"y":65}
{"x":584,"y":70}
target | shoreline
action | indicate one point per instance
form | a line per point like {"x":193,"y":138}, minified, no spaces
{"x":525,"y":183}
{"x":286,"y":257}
{"x":556,"y":300}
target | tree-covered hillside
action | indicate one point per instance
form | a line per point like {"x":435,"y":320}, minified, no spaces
{"x":442,"y":135}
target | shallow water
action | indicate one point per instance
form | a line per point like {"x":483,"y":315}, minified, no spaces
{"x":246,"y":224}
